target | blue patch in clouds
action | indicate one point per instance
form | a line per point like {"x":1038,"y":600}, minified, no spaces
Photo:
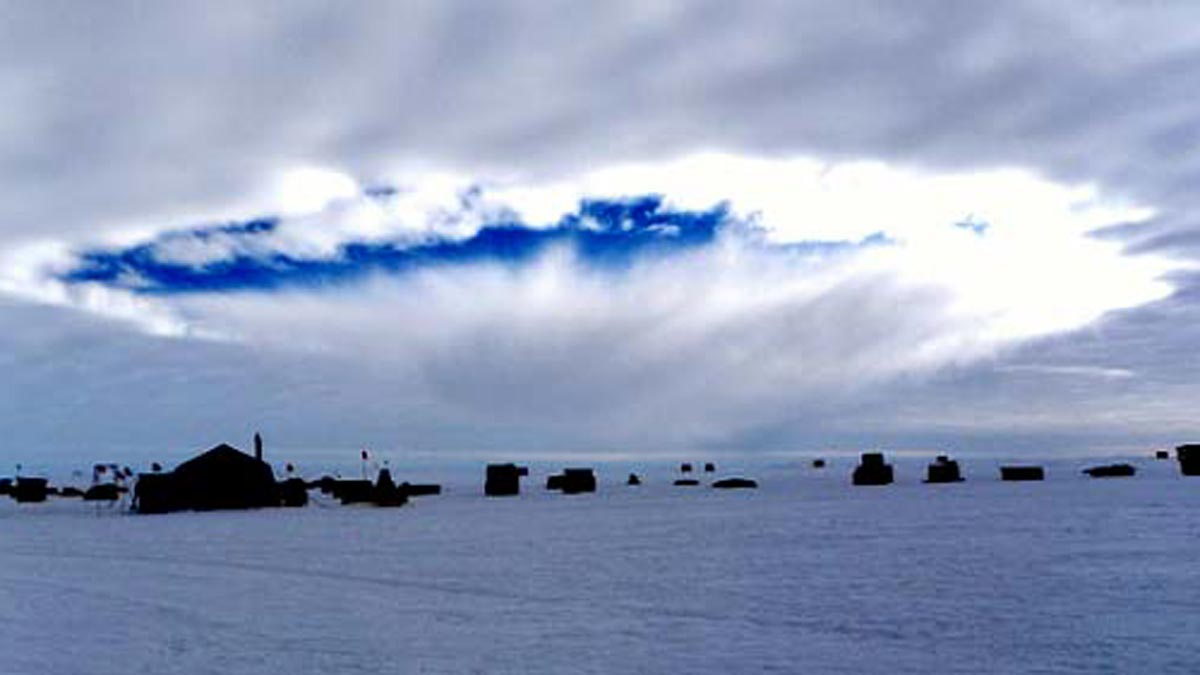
{"x":609,"y":233}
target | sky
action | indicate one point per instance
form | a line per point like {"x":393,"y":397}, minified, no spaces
{"x":622,"y":228}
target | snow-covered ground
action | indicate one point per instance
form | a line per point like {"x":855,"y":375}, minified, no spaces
{"x":806,"y":574}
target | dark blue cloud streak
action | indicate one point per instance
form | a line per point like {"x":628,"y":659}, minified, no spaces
{"x":604,"y":233}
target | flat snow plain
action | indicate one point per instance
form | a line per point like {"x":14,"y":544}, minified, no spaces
{"x":806,"y":574}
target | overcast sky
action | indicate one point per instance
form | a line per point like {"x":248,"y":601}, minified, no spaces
{"x":607,"y":227}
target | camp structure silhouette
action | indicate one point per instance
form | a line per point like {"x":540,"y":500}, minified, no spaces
{"x":293,"y":492}
{"x":504,"y":480}
{"x":1188,"y":455}
{"x":873,"y":470}
{"x":573,"y":481}
{"x":1022,"y":473}
{"x":420,"y":489}
{"x":943,"y":470}
{"x":736,"y":483}
{"x":385,"y":492}
{"x":1111,"y":471}
{"x":104,"y":492}
{"x":221,"y":478}
{"x":30,"y":490}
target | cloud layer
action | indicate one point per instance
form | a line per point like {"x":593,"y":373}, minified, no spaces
{"x":740,"y":289}
{"x":385,"y":216}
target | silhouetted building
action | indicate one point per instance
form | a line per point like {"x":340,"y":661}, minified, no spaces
{"x":504,"y":480}
{"x":221,"y":478}
{"x":104,"y":492}
{"x":420,"y":489}
{"x":818,"y":463}
{"x":293,"y":492}
{"x":153,"y":493}
{"x":1189,"y":459}
{"x":685,"y":468}
{"x":573,"y":481}
{"x":735,"y":484}
{"x":1162,"y":454}
{"x":709,"y":467}
{"x":386,"y":492}
{"x":1022,"y":473}
{"x":30,"y":490}
{"x":6,"y":486}
{"x":1111,"y":471}
{"x":872,"y":470}
{"x":943,"y":470}
{"x":633,"y":480}
{"x":353,"y":491}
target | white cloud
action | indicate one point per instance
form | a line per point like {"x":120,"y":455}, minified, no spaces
{"x":1034,"y":271}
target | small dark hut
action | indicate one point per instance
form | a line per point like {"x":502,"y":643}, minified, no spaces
{"x":686,"y":467}
{"x":573,"y":481}
{"x":735,"y":484}
{"x":1022,"y":473}
{"x":6,"y":486}
{"x":1189,"y":459}
{"x":1111,"y":471}
{"x":1162,"y":454}
{"x":104,"y":492}
{"x":576,"y":481}
{"x":420,"y":489}
{"x":221,"y":478}
{"x":154,"y":493}
{"x":293,"y":492}
{"x":943,"y":470}
{"x":709,"y":467}
{"x":385,"y":491}
{"x":633,"y":479}
{"x":353,"y":491}
{"x":30,"y":490}
{"x":873,"y":470}
{"x":818,"y":463}
{"x":504,"y":480}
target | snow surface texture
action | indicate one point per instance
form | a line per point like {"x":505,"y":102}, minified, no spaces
{"x":806,"y":574}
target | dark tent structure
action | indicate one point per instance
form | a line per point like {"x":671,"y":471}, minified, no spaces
{"x":873,"y":470}
{"x":31,"y":490}
{"x":943,"y":470}
{"x":221,"y":478}
{"x":1111,"y":471}
{"x":1188,"y":455}
{"x":504,"y":480}
{"x":1022,"y":473}
{"x":573,"y":481}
